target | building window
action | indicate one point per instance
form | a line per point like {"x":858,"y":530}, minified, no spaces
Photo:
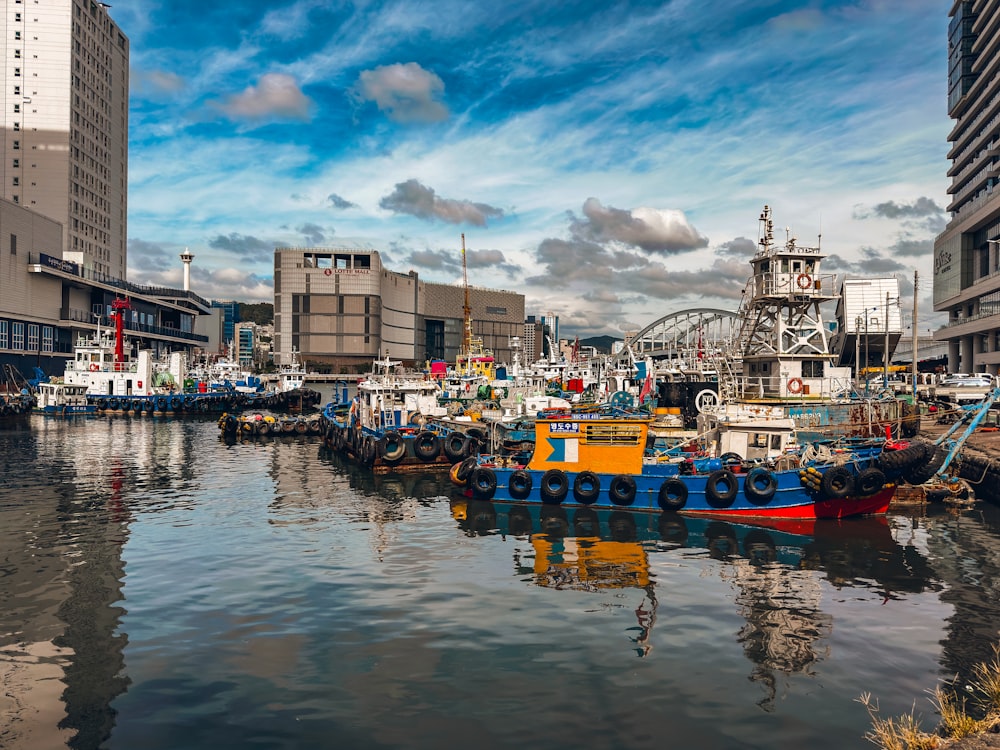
{"x":16,"y":145}
{"x":17,"y":181}
{"x":16,"y":163}
{"x":17,"y":109}
{"x":17,"y":336}
{"x":17,"y":72}
{"x":496,"y":310}
{"x":13,"y":244}
{"x":48,"y":338}
{"x":4,"y":341}
{"x":33,"y":337}
{"x":17,"y":126}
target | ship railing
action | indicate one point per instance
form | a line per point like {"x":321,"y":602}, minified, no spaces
{"x":785,"y":388}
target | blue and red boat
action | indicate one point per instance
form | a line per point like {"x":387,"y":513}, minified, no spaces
{"x":602,"y":461}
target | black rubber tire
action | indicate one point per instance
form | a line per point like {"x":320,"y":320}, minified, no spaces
{"x":759,"y":485}
{"x":520,"y":485}
{"x":426,"y":445}
{"x":920,"y":473}
{"x":870,"y":481}
{"x":837,"y":483}
{"x":483,"y":483}
{"x":622,"y":490}
{"x":673,"y":494}
{"x":456,"y":446}
{"x":392,"y":447}
{"x":466,"y":468}
{"x":554,"y":486}
{"x":721,"y":488}
{"x":586,"y":487}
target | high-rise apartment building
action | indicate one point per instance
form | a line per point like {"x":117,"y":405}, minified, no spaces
{"x":967,"y":254}
{"x":65,"y":135}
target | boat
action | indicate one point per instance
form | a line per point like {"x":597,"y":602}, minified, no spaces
{"x":601,"y":460}
{"x":117,"y":379}
{"x":259,"y":425}
{"x":387,"y":424}
{"x":61,"y":399}
{"x":291,"y":393}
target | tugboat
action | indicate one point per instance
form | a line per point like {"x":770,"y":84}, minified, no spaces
{"x":600,"y":460}
{"x":782,"y":366}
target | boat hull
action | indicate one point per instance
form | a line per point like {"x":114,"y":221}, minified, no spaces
{"x":702,"y":496}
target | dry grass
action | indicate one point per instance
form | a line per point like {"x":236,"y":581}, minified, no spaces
{"x":904,"y":732}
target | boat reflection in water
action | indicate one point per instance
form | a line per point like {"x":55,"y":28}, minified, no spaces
{"x":780,"y":570}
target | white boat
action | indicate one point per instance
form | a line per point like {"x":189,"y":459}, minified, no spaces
{"x":62,"y":399}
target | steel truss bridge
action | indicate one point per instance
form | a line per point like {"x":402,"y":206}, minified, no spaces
{"x":686,"y":338}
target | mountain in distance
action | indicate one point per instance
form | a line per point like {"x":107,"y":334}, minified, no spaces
{"x":601,"y":343}
{"x":261,"y":313}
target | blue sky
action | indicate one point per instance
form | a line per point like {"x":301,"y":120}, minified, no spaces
{"x":607,"y":160}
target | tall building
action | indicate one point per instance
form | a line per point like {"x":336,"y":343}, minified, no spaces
{"x":967,"y":254}
{"x":65,"y":134}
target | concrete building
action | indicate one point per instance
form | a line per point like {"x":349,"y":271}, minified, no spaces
{"x":343,"y":308}
{"x":65,"y":136}
{"x":64,"y":174}
{"x":967,"y":254}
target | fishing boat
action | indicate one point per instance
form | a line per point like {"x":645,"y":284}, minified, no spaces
{"x":387,"y":423}
{"x":601,"y":460}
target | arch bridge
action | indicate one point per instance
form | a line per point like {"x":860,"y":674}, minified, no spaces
{"x":684,"y":338}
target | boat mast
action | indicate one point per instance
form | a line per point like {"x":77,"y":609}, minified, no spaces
{"x":466,"y":308}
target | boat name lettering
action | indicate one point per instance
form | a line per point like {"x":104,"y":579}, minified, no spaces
{"x":564,"y":428}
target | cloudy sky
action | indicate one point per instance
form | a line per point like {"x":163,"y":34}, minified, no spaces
{"x":608,"y":160}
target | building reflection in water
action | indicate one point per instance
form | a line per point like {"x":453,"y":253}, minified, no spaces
{"x":64,"y":511}
{"x":780,"y":571}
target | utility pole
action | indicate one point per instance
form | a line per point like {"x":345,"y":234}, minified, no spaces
{"x":915,"y":360}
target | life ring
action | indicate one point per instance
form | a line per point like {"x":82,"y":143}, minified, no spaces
{"x":622,"y":490}
{"x":392,"y":447}
{"x":484,"y":483}
{"x":759,"y":485}
{"x":803,"y":281}
{"x":721,"y":488}
{"x":328,"y":272}
{"x":673,"y":494}
{"x":456,"y":446}
{"x":426,"y":445}
{"x":554,"y":486}
{"x":795,"y":385}
{"x":519,"y":485}
{"x":586,"y":487}
{"x":870,"y":481}
{"x":837,"y":482}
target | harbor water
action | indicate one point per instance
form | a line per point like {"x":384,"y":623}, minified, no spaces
{"x":162,"y":588}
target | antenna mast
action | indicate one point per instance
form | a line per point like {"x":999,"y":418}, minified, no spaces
{"x":466,"y":309}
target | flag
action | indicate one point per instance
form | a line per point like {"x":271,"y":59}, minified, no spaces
{"x":647,"y":388}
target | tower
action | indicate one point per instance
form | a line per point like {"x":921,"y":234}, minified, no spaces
{"x":186,"y":258}
{"x":65,"y":137}
{"x":782,"y":341}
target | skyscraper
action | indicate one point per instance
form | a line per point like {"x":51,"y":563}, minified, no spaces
{"x":65,"y":135}
{"x":967,"y":254}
